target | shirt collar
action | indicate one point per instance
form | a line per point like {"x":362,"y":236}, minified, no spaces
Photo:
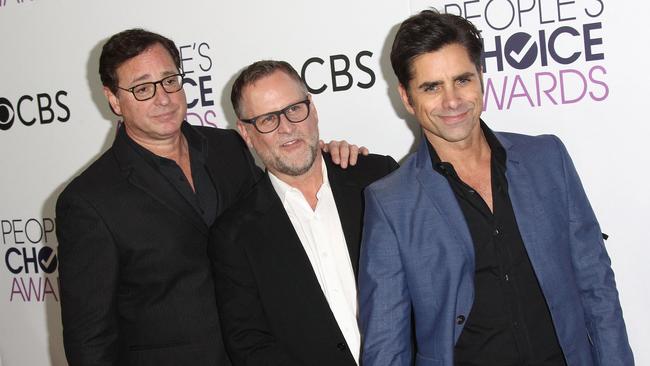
{"x":196,"y":143}
{"x":282,"y":188}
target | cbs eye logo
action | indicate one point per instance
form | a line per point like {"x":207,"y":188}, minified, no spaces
{"x":6,"y":114}
{"x":39,"y":109}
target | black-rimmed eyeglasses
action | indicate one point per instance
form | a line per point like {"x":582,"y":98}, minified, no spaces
{"x":145,"y":91}
{"x":269,"y":122}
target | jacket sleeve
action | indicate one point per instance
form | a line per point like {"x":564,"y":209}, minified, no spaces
{"x":247,"y":336}
{"x":384,"y":300}
{"x":594,"y":274}
{"x":88,"y":270}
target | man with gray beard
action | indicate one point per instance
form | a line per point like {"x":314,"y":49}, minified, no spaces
{"x":285,"y":257}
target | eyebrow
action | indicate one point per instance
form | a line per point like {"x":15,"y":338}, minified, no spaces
{"x":465,"y":75}
{"x":431,"y":84}
{"x":144,"y":77}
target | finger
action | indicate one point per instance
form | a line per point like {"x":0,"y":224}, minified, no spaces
{"x":364,"y":151}
{"x":323,"y":146}
{"x":344,"y":152}
{"x":354,"y":154}
{"x":333,"y":148}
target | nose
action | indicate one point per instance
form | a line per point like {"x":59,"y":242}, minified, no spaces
{"x":451,"y":98}
{"x":285,"y":126}
{"x":161,"y":97}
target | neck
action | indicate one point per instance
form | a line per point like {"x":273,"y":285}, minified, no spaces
{"x":468,"y":153}
{"x":173,"y":147}
{"x":308,"y":183}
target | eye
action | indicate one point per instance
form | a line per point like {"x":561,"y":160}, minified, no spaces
{"x":266,"y":119}
{"x":295,"y":108}
{"x":431,"y":87}
{"x":171,"y":81}
{"x":142,"y":89}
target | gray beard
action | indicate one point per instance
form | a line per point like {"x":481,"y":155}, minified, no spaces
{"x":295,"y":171}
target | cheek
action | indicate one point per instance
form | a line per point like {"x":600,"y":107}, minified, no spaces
{"x":479,"y":103}
{"x":427,"y":107}
{"x":180,"y":97}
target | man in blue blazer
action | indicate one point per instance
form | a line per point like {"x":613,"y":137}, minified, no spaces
{"x":482,"y":249}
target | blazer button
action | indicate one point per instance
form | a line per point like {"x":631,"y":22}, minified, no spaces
{"x":460,"y":319}
{"x":342,"y":346}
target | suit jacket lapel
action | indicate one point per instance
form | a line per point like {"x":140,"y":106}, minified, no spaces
{"x":437,"y":188}
{"x":347,"y":195}
{"x":528,"y":211}
{"x":282,"y":242}
{"x":143,"y":176}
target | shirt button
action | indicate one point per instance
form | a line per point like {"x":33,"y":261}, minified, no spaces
{"x":460,"y":319}
{"x":341,"y":346}
{"x":496,"y":232}
{"x":506,"y":277}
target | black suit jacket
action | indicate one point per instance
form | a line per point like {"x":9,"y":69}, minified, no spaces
{"x":136,"y":283}
{"x":272,"y":308}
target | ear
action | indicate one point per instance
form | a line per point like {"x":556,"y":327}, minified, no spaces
{"x":406,"y":100}
{"x":243,"y":131}
{"x":113,"y":102}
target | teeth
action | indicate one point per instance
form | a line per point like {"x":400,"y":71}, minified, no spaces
{"x":289,"y":143}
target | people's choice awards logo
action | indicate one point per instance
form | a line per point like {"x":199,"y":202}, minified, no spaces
{"x":521,"y":50}
{"x":31,"y":259}
{"x":196,"y":61}
{"x":539,"y":53}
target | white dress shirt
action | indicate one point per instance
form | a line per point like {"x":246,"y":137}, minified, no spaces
{"x":322,"y":238}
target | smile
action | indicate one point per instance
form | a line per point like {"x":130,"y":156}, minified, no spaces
{"x":455,"y":118}
{"x":165,"y":115}
{"x":290,"y":143}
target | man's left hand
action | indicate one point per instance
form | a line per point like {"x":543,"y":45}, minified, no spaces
{"x":342,"y":152}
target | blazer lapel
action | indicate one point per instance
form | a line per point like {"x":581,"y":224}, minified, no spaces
{"x":437,"y":188}
{"x":528,"y":211}
{"x":143,"y":176}
{"x":281,"y":243}
{"x":347,"y":195}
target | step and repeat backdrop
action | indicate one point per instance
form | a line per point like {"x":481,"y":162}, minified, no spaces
{"x":577,"y":69}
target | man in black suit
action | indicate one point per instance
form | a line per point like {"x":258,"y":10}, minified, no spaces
{"x":285,"y":257}
{"x":136,"y":283}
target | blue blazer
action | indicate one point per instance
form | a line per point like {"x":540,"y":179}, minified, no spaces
{"x":416,"y":270}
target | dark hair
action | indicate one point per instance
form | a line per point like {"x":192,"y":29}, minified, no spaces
{"x":127,"y":44}
{"x":427,"y":32}
{"x":257,"y":71}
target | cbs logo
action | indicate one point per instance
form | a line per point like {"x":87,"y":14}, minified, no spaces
{"x":6,"y":114}
{"x":42,"y":108}
{"x":341,"y":74}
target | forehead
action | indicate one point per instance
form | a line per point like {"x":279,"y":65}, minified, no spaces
{"x":449,"y":61}
{"x":272,"y":92}
{"x":152,"y":63}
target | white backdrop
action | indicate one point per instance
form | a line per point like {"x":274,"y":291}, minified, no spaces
{"x":54,"y":120}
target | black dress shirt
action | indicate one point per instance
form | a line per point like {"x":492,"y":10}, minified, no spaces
{"x":509,"y":323}
{"x":204,"y":196}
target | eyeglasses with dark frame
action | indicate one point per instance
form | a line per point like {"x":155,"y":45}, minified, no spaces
{"x":146,"y":91}
{"x":269,"y":122}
